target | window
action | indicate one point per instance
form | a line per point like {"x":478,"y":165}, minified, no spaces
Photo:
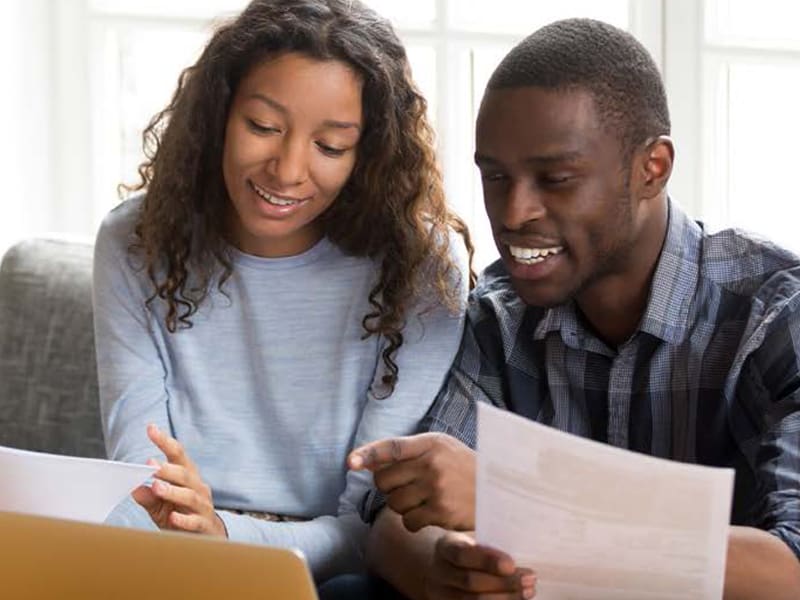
{"x":137,"y":49}
{"x":734,"y":84}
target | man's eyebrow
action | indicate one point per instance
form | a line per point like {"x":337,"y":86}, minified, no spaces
{"x":282,"y":109}
{"x":560,"y":157}
{"x":546,"y":159}
{"x":480,"y":159}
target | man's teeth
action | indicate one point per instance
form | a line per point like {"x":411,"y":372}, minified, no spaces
{"x":531,"y":256}
{"x":276,"y":200}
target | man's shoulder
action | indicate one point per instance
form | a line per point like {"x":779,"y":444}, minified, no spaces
{"x":746,"y":264}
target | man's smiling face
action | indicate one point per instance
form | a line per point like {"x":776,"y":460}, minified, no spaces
{"x":556,"y":191}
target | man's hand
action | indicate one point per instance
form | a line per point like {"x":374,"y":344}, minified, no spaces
{"x":179,"y":499}
{"x":428,"y":478}
{"x":463,"y":569}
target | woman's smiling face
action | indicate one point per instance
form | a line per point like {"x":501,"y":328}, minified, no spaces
{"x":291,"y":143}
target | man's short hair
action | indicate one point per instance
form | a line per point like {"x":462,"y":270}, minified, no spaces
{"x":609,"y":63}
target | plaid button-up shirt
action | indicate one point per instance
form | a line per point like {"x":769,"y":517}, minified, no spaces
{"x":712,"y":375}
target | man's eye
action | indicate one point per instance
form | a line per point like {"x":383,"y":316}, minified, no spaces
{"x":555,"y":179}
{"x":261,"y":129}
{"x":493,"y":177}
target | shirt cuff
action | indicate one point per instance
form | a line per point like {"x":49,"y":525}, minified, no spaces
{"x":371,"y":504}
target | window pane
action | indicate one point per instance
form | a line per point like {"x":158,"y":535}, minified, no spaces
{"x":762,"y":150}
{"x":190,"y":9}
{"x":151,"y":62}
{"x":423,"y":70}
{"x":408,"y":13}
{"x":515,"y":16}
{"x":135,"y":80}
{"x":767,"y":23}
{"x":484,"y":61}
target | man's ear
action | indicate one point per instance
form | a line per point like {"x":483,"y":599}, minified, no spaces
{"x":653,"y":166}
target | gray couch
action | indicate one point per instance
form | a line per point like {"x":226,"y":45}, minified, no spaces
{"x":48,"y":376}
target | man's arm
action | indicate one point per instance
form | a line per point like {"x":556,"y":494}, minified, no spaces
{"x":760,"y":566}
{"x":430,"y":478}
{"x":433,"y":564}
{"x":764,"y":560}
{"x":400,"y":557}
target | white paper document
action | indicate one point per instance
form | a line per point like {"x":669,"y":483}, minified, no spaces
{"x":596,"y":522}
{"x":65,"y":487}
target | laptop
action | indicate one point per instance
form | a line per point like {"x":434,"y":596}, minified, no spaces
{"x":44,"y":558}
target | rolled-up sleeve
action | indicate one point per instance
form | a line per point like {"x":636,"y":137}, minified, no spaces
{"x":774,"y":370}
{"x":472,"y":378}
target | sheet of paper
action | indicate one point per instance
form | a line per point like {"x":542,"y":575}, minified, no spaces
{"x":66,"y":487}
{"x":597,"y":522}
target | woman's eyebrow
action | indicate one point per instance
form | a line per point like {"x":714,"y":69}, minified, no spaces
{"x":271,"y":102}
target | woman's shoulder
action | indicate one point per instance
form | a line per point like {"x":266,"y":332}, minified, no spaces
{"x":458,"y":255}
{"x":444,"y":278}
{"x":117,"y":230}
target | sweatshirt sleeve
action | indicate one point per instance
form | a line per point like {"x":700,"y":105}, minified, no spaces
{"x":130,"y":369}
{"x":129,"y":366}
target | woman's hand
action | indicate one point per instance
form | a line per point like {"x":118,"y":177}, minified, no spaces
{"x":178,"y":499}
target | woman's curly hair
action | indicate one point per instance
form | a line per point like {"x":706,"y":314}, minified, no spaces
{"x":392,"y":209}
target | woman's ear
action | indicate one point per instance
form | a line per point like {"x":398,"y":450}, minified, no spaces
{"x":653,"y":166}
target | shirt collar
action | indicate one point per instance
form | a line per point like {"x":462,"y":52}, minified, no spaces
{"x":671,"y":291}
{"x":675,"y":279}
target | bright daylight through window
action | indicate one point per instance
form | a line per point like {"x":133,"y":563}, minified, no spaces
{"x":731,"y":67}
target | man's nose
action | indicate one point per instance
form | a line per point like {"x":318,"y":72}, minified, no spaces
{"x":524,"y":203}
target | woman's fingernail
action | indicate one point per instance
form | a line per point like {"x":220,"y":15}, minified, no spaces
{"x":528,"y":581}
{"x":160,"y":486}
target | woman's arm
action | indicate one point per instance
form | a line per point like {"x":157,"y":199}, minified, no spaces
{"x":130,"y":369}
{"x":129,"y":366}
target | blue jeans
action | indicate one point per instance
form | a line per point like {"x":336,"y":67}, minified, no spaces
{"x":357,"y":587}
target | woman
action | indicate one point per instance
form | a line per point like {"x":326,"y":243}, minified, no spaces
{"x":285,"y":287}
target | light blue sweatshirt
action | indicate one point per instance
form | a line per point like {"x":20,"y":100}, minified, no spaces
{"x":268,"y":390}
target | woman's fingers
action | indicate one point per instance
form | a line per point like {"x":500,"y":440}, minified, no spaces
{"x":171,"y":447}
{"x":178,"y":498}
{"x":185,"y":499}
{"x":145,"y":497}
{"x":177,"y":475}
{"x":209,"y":525}
{"x":192,"y":523}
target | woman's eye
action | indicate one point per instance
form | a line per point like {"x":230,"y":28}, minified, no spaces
{"x":261,"y":129}
{"x":330,"y":150}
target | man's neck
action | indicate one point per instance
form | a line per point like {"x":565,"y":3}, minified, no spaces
{"x":615,"y":319}
{"x":614,"y":307}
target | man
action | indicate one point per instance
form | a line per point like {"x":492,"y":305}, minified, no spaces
{"x":610,"y":315}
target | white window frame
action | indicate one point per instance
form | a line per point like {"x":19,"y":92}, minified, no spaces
{"x":82,"y":174}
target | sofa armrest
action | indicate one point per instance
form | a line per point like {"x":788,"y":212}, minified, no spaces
{"x":48,"y":375}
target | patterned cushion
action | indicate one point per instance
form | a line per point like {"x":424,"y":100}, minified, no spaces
{"x":48,"y":375}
